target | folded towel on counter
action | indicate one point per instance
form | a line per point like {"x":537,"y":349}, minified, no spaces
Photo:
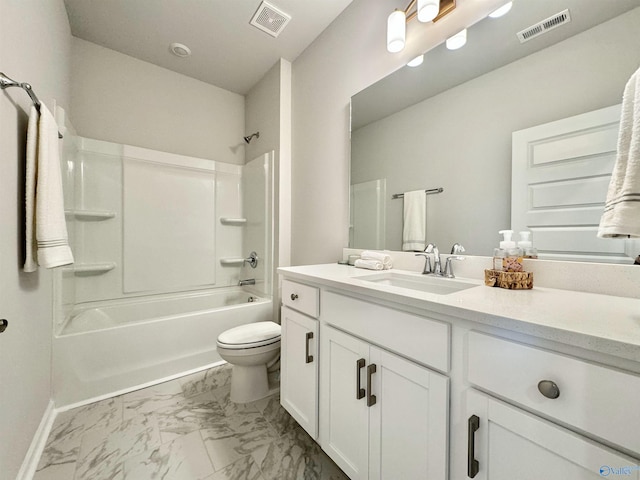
{"x":383,"y":258}
{"x":47,"y":242}
{"x":621,"y":215}
{"x":414,"y":221}
{"x":369,"y":264}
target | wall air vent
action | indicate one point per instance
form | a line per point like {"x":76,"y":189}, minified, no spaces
{"x":269,"y":19}
{"x":544,"y":26}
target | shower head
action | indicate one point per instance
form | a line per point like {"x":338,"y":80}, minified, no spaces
{"x":248,"y":138}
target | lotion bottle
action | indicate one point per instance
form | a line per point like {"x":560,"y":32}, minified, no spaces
{"x":500,"y":254}
{"x":527,"y":246}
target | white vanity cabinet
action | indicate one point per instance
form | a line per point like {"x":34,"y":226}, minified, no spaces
{"x":600,"y":401}
{"x":382,"y":416}
{"x":299,"y":354}
{"x":507,"y":443}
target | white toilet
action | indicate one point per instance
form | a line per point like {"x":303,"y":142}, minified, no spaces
{"x":250,"y":348}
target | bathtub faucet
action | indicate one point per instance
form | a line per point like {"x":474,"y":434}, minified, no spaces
{"x":248,"y":281}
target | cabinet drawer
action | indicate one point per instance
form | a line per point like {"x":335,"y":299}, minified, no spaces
{"x":302,"y":298}
{"x":418,"y":338}
{"x":593,"y":398}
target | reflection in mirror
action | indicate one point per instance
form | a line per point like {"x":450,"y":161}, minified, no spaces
{"x":449,"y":122}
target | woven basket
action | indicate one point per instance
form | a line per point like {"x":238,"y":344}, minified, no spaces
{"x":510,"y":280}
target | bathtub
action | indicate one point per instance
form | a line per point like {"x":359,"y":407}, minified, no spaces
{"x":118,"y":346}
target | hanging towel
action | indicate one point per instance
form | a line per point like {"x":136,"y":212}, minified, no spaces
{"x":621,"y":215}
{"x":369,"y":264}
{"x":46,"y":231}
{"x":415,"y":221}
{"x":383,"y":258}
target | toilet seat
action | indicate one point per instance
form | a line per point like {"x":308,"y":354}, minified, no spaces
{"x":252,"y":335}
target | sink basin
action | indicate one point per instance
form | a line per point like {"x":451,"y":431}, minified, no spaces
{"x":422,"y":283}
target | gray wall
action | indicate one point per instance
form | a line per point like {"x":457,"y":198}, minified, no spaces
{"x":347,"y":57}
{"x":461,"y":139}
{"x":35,"y":48}
{"x":117,"y":98}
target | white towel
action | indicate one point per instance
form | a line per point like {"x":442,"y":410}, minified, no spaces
{"x":369,"y":264}
{"x":415,"y":221}
{"x":44,"y":200}
{"x":621,"y":215}
{"x":383,"y":258}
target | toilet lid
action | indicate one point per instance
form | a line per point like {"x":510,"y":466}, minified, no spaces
{"x":252,"y":333}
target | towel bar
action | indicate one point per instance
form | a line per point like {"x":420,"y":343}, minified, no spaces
{"x":6,"y":82}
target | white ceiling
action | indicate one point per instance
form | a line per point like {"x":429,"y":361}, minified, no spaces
{"x":227,"y":51}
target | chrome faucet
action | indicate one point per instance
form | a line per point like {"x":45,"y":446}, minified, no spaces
{"x":448,"y":267}
{"x":248,"y":281}
{"x":431,"y":248}
{"x":457,"y":248}
{"x":429,"y":267}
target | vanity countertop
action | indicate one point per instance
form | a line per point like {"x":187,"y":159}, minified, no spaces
{"x":602,"y":323}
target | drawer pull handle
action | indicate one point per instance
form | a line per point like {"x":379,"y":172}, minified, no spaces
{"x":371,"y":399}
{"x":549,"y":389}
{"x":360,"y":393}
{"x":309,"y":358}
{"x":294,"y":296}
{"x":473,"y":466}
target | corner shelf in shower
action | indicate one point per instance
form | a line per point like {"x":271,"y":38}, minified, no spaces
{"x":87,"y":269}
{"x":233,"y":221}
{"x":90,"y":215}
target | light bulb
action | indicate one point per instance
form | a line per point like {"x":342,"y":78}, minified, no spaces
{"x":428,"y":10}
{"x":502,"y":10}
{"x":416,"y":61}
{"x":396,"y":31}
{"x":458,"y":40}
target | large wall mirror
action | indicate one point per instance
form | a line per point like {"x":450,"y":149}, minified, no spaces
{"x":448,"y":124}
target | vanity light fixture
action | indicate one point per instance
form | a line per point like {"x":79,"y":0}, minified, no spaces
{"x":457,"y":41}
{"x":416,"y":62}
{"x":424,"y":10}
{"x":503,"y":10}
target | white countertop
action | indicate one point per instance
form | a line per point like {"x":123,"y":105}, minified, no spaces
{"x":602,"y":323}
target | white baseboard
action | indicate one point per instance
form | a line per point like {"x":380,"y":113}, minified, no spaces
{"x":31,"y":459}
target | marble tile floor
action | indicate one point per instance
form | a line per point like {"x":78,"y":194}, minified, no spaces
{"x":185,"y":429}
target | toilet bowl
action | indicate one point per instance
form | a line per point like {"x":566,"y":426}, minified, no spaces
{"x":249,"y":349}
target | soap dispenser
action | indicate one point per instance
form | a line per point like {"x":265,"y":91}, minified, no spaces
{"x":500,"y":254}
{"x":527,"y":246}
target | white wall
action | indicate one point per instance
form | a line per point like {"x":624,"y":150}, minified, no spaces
{"x":418,"y":148}
{"x":347,"y":57}
{"x":35,"y":48}
{"x":120,"y":99}
{"x":268,"y":110}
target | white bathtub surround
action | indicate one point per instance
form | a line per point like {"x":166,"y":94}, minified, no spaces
{"x":144,"y":340}
{"x":183,"y":429}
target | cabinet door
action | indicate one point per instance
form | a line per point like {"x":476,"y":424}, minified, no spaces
{"x":299,"y":369}
{"x":408,"y":423}
{"x":344,"y":416}
{"x":511,"y":443}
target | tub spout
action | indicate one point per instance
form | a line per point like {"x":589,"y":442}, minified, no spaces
{"x":248,"y":281}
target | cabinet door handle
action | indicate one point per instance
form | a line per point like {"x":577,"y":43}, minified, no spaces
{"x":549,"y":389}
{"x":309,"y":358}
{"x":472,"y":464}
{"x":371,"y":399}
{"x":3,"y":324}
{"x":294,"y":296}
{"x":360,"y":393}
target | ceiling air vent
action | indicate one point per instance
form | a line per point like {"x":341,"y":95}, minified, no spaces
{"x":269,"y":19}
{"x":544,"y":26}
